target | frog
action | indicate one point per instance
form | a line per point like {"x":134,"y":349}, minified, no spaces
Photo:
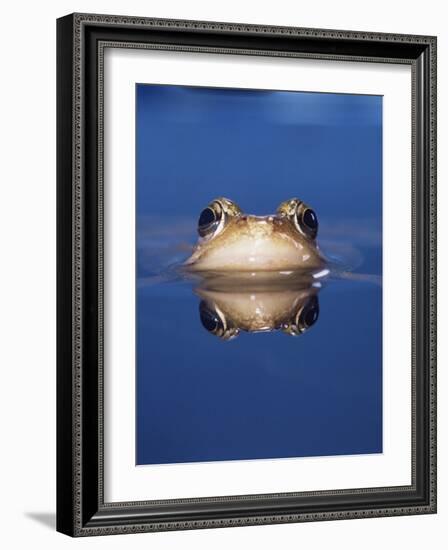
{"x":231,"y":241}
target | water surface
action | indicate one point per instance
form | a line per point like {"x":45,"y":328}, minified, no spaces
{"x":263,"y":395}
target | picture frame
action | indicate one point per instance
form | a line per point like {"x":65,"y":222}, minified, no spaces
{"x":81,"y":506}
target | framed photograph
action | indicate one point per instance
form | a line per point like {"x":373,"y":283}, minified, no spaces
{"x":246,"y":274}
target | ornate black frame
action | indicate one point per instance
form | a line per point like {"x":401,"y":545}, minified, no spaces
{"x":81,"y":39}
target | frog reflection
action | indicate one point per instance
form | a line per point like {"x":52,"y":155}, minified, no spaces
{"x":225,"y":313}
{"x":231,"y":241}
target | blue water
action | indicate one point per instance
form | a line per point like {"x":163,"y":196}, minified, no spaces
{"x":264,"y":395}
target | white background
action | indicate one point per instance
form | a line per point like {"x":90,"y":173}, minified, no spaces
{"x":27,"y":229}
{"x":125,"y":482}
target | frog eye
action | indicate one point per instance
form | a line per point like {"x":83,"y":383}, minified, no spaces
{"x":306,"y":219}
{"x":305,"y":318}
{"x":214,"y":322}
{"x":214,"y":217}
{"x":208,"y":222}
{"x":303,"y":217}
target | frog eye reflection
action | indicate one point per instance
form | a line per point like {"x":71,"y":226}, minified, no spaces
{"x":214,"y":322}
{"x":306,"y":219}
{"x":208,"y":221}
{"x":209,"y":318}
{"x":309,"y":314}
{"x":305,"y":318}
